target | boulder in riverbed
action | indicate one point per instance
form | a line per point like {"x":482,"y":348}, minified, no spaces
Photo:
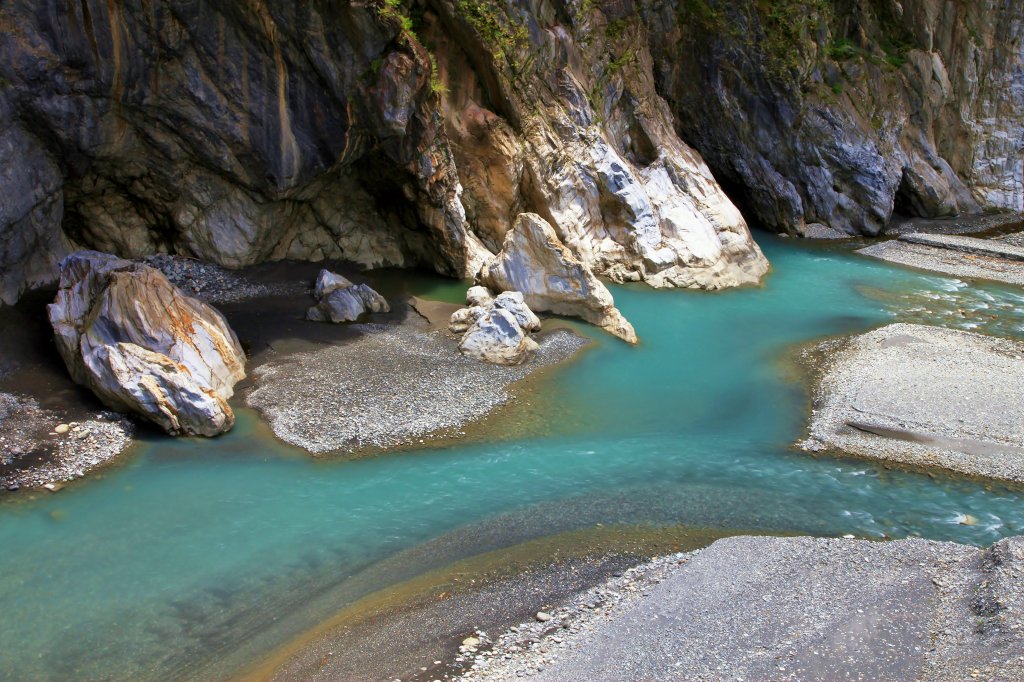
{"x":551,"y":278}
{"x":498,"y":338}
{"x":342,"y":301}
{"x":142,"y":346}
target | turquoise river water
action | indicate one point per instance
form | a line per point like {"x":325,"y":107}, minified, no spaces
{"x":196,"y":556}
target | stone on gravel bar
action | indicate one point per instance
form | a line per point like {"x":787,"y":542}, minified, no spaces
{"x":142,"y":346}
{"x":339,"y":300}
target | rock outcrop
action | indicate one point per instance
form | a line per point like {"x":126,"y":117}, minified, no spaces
{"x":496,"y":329}
{"x":322,"y":131}
{"x":840,"y":113}
{"x":339,"y":300}
{"x":413,"y":132}
{"x":551,"y":278}
{"x":554,"y":111}
{"x":141,"y":346}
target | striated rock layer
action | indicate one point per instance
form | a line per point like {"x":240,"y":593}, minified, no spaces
{"x":324,"y":130}
{"x":413,"y":132}
{"x":141,"y":346}
{"x":838,"y":113}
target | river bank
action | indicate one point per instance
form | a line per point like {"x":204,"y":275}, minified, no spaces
{"x":784,"y":608}
{"x":354,"y":388}
{"x":205,"y":556}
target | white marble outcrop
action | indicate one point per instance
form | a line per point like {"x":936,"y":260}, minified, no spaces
{"x":142,"y":346}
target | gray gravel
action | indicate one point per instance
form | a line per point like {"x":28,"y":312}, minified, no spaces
{"x":994,"y":248}
{"x":393,"y":385}
{"x":214,"y":284}
{"x":783,"y":609}
{"x":924,"y":396}
{"x":947,"y":261}
{"x":34,"y":453}
{"x":965,"y":224}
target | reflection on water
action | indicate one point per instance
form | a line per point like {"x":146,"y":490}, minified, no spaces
{"x":198,"y":555}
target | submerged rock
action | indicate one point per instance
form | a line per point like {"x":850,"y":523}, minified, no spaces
{"x":498,"y":338}
{"x":142,"y":346}
{"x":342,"y":301}
{"x":551,"y":278}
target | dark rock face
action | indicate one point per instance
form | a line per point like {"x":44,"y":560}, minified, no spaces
{"x":836,"y":112}
{"x":233,"y":132}
{"x":412,"y":132}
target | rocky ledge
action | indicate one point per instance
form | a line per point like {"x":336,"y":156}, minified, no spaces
{"x":923,"y":396}
{"x":781,"y":608}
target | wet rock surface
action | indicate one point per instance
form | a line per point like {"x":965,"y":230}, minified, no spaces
{"x":923,"y":396}
{"x":141,"y":346}
{"x":783,"y":608}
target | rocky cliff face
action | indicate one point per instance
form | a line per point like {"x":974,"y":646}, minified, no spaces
{"x":236,"y":132}
{"x":413,"y":132}
{"x":838,"y":112}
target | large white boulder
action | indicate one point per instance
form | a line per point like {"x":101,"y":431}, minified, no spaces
{"x":498,"y":338}
{"x":142,"y":346}
{"x":551,"y":278}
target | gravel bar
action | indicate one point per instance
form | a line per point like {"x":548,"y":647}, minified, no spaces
{"x":214,"y":284}
{"x":393,"y":385}
{"x":924,"y":396}
{"x":782,"y":609}
{"x":39,"y":448}
{"x":947,"y":262}
{"x":994,"y":248}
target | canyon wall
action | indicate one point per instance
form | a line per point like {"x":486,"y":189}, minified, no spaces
{"x":413,"y":134}
{"x":837,"y":112}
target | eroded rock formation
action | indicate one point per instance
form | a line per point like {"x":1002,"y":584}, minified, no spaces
{"x":141,"y":346}
{"x":413,"y":132}
{"x":551,"y":278}
{"x":821,"y":112}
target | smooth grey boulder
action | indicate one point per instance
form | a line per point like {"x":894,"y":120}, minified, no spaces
{"x":142,"y":346}
{"x":497,"y":338}
{"x":342,"y":301}
{"x":328,"y":281}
